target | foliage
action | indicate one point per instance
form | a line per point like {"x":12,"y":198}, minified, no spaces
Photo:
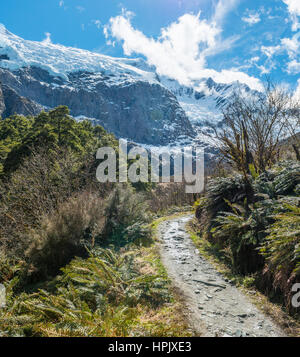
{"x":262,"y":236}
{"x":55,"y":218}
{"x":282,"y":249}
{"x":220,"y":193}
{"x":162,"y":196}
{"x":223,"y":190}
{"x":242,"y":231}
{"x":64,"y":234}
{"x":99,"y":296}
{"x":55,"y":129}
{"x":288,"y":178}
{"x":49,"y":162}
{"x":126,"y":217}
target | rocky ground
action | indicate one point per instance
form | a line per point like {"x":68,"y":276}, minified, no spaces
{"x":215,"y":307}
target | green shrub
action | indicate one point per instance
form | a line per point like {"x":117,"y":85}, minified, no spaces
{"x":9,"y":268}
{"x":126,"y":216}
{"x":242,"y":232}
{"x":261,"y":236}
{"x":65,"y":234}
{"x":282,"y":250}
{"x":287,"y":179}
{"x":282,"y":179}
{"x":248,"y":281}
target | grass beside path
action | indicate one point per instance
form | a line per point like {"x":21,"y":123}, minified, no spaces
{"x":123,"y":293}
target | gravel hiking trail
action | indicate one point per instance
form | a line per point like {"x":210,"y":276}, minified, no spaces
{"x":215,"y":307}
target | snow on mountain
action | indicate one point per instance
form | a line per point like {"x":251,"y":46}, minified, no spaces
{"x":59,"y":60}
{"x":203,"y":103}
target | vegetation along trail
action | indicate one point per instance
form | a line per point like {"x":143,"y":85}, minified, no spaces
{"x":216,"y":308}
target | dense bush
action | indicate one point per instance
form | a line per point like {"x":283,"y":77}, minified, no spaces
{"x":64,"y":234}
{"x":125,"y":217}
{"x":242,"y":231}
{"x":50,"y":198}
{"x":261,"y":236}
{"x":52,"y":208}
{"x":220,"y":194}
{"x":53,"y":130}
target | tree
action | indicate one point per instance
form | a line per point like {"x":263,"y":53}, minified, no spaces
{"x":254,"y":125}
{"x":53,"y":130}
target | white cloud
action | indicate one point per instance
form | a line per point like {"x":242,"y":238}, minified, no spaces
{"x":291,"y":45}
{"x":270,"y":63}
{"x":177,"y":52}
{"x":223,"y":7}
{"x":263,"y":69}
{"x":80,"y":8}
{"x":61,"y":3}
{"x":97,"y":23}
{"x":267,"y":67}
{"x":269,"y":51}
{"x":182,"y":48}
{"x":293,"y":67}
{"x":252,"y":19}
{"x":254,"y":59}
{"x":47,"y":40}
{"x":294,"y":10}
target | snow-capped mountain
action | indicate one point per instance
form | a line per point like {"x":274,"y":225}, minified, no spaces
{"x":126,"y":96}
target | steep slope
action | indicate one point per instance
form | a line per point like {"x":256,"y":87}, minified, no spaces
{"x":203,"y":103}
{"x":12,"y":103}
{"x":140,"y":111}
{"x":125,"y":99}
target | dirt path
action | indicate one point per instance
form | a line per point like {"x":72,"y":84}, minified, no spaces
{"x":216,"y":308}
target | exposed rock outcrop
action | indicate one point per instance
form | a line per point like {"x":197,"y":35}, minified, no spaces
{"x":138,"y":110}
{"x":12,"y":103}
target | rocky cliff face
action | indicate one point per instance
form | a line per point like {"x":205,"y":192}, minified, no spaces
{"x":140,"y":111}
{"x":12,"y":103}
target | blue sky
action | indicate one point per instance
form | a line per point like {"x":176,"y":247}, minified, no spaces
{"x":224,"y":39}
